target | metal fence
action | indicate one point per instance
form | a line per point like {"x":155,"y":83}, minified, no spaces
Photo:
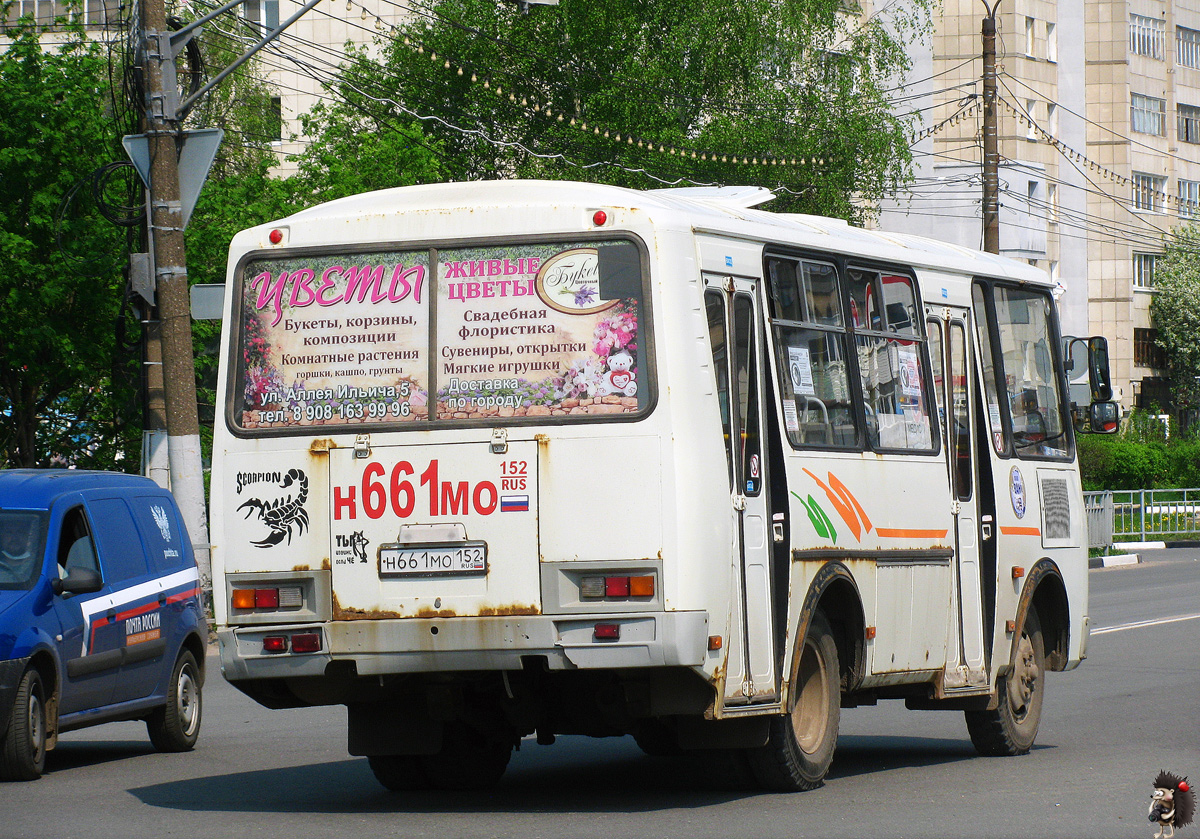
{"x":1142,"y":515}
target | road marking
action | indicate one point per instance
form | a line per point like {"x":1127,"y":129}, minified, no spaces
{"x":1140,"y":624}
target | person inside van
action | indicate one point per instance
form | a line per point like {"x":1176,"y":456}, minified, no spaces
{"x":17,"y":558}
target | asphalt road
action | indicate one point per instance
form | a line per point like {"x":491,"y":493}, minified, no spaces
{"x":1107,"y":729}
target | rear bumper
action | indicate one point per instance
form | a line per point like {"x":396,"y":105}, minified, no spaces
{"x":418,"y":645}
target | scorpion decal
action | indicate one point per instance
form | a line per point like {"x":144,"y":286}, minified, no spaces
{"x":284,"y":513}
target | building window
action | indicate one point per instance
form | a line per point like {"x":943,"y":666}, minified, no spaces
{"x":1146,"y":352}
{"x":101,"y":13}
{"x":1029,"y":36}
{"x":1148,"y":192}
{"x":1189,"y":124}
{"x":1143,"y":269}
{"x":43,"y":12}
{"x":1031,"y":112}
{"x":1147,"y":114}
{"x":275,"y":120}
{"x":1051,"y":42}
{"x":1147,"y":36}
{"x":1189,"y":199}
{"x":262,"y":13}
{"x":1052,"y":202}
{"x":1187,"y":47}
{"x":1052,"y":118}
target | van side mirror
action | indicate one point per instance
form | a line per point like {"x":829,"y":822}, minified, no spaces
{"x":78,"y":581}
{"x":1104,"y":417}
{"x":1098,"y":376}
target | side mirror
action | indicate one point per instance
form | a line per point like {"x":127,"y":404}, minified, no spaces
{"x":1098,"y":376}
{"x":78,"y":581}
{"x":1104,"y":417}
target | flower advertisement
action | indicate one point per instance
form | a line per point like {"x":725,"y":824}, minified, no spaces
{"x":521,"y":331}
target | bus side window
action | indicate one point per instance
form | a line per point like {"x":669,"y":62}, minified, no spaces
{"x":812,"y":349}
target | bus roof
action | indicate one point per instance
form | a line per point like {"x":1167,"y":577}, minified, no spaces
{"x":718,"y":210}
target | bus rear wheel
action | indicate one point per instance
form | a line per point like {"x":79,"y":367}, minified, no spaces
{"x":801,"y":743}
{"x":1012,"y":727}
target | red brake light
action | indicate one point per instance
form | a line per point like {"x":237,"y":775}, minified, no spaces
{"x":266,"y":598}
{"x":607,"y":632}
{"x":275,"y":644}
{"x":616,"y":586}
{"x":307,"y":642}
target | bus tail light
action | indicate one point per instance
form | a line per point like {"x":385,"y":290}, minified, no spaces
{"x":275,"y":644}
{"x":285,"y":597}
{"x":306,"y":642}
{"x":616,"y":587}
{"x":607,"y":632}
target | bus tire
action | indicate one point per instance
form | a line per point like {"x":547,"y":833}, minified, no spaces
{"x":23,"y":750}
{"x":469,"y":759}
{"x":399,"y":773}
{"x":1012,"y":727}
{"x":175,"y":726}
{"x":800,"y":745}
{"x":657,"y":739}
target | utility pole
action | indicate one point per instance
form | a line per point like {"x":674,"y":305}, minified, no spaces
{"x":991,"y":144}
{"x":169,"y":270}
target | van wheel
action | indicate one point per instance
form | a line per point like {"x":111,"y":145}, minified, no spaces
{"x":800,"y":745}
{"x":469,"y":759}
{"x":175,"y":726}
{"x":1012,"y":727}
{"x":23,"y":751}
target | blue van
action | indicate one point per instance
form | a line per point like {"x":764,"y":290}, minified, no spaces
{"x":100,"y":615}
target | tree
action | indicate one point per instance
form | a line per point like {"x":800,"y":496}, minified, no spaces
{"x":67,"y":384}
{"x":1175,"y":312}
{"x":785,"y":93}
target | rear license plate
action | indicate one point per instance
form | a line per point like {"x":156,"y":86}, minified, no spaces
{"x":429,"y":560}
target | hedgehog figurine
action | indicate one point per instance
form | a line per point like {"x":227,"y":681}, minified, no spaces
{"x":1172,"y":805}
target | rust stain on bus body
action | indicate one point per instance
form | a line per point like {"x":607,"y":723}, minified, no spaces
{"x":350,"y":613}
{"x":321,"y":446}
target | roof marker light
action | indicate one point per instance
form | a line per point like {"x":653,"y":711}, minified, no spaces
{"x":600,"y":218}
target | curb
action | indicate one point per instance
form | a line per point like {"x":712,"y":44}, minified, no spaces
{"x":1157,"y":546}
{"x":1111,"y":561}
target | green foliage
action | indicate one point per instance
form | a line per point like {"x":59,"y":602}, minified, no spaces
{"x":66,"y":384}
{"x":1175,"y":312}
{"x":757,"y":79}
{"x":1141,"y":456}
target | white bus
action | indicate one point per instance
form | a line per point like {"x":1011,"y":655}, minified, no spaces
{"x":535,"y":458}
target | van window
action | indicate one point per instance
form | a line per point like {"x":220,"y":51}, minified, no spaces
{"x":120,"y":544}
{"x":507,"y":332}
{"x":75,"y":548}
{"x":22,"y":547}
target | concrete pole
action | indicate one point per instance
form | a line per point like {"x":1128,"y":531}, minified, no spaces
{"x":170,"y":274}
{"x":991,"y":145}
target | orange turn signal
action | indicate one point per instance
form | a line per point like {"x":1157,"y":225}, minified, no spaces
{"x":243,"y":598}
{"x":641,"y":586}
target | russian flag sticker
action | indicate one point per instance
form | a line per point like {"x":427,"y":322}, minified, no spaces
{"x":514,"y":503}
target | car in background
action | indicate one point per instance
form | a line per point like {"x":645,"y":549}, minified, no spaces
{"x":100,"y":613}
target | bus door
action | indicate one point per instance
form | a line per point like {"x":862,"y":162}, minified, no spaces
{"x":734,"y":324}
{"x":949,"y":348}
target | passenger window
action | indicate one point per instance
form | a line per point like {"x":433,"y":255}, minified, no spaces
{"x":813,"y":351}
{"x":120,"y":546}
{"x":891,"y":363}
{"x":75,"y":549}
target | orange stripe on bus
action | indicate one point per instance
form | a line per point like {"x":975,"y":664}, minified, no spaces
{"x":904,"y":533}
{"x":1021,"y":531}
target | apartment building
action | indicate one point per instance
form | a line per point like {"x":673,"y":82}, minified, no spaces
{"x":1099,"y":129}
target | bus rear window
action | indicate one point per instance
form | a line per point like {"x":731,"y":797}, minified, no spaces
{"x":493,"y":333}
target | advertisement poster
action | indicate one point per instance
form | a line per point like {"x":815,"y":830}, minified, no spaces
{"x":520,"y":331}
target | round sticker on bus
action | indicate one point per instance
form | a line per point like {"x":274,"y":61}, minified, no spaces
{"x":1016,"y":489}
